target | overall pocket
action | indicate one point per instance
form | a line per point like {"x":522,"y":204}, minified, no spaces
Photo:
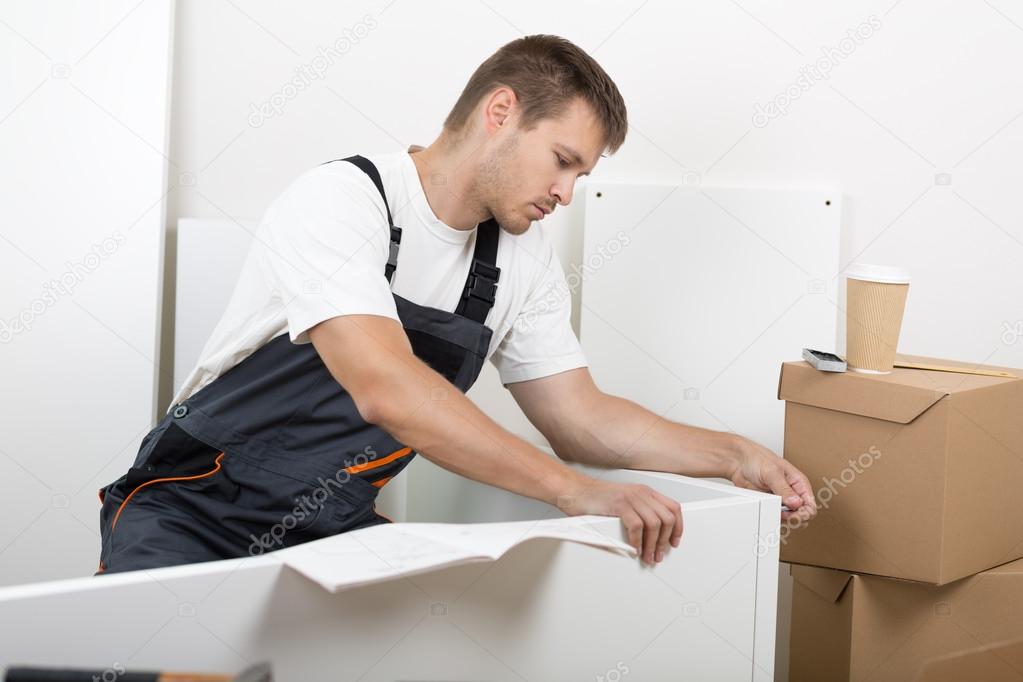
{"x":453,"y":346}
{"x":272,"y":510}
{"x":136,"y":503}
{"x":169,"y":451}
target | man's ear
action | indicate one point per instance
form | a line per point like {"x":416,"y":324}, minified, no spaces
{"x":499,"y":107}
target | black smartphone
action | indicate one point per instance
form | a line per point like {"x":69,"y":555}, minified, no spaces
{"x":824,"y":361}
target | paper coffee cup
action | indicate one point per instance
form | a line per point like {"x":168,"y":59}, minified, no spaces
{"x":875,"y":301}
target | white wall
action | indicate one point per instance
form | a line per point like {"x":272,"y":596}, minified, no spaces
{"x":918,"y":124}
{"x":84,"y":107}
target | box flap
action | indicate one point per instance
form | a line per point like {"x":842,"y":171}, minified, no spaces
{"x":1010,"y":568}
{"x":827,"y":583}
{"x":897,"y":397}
{"x":953,"y":382}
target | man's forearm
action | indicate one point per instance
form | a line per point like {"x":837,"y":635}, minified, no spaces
{"x":427,"y":413}
{"x":618,"y":433}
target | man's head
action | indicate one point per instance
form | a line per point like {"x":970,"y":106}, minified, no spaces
{"x":534,"y":117}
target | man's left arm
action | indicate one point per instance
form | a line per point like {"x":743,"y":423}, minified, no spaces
{"x":585,"y":425}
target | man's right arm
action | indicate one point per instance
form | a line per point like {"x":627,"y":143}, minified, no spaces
{"x":371,"y":357}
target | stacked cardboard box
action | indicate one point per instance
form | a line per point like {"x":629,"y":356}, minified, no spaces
{"x":919,"y":480}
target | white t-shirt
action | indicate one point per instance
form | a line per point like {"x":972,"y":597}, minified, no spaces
{"x":320,"y":251}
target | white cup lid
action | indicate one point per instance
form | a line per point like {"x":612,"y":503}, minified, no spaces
{"x":878,"y":273}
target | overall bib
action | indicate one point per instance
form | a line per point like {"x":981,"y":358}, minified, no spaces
{"x":273,"y":452}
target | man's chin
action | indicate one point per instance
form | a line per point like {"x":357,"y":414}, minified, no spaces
{"x":515,"y":226}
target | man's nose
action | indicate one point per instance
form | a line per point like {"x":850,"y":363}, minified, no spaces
{"x":562,"y":194}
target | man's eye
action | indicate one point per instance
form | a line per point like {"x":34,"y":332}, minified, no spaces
{"x":562,"y":162}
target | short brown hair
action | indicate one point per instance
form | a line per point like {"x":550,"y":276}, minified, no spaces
{"x":546,"y":73}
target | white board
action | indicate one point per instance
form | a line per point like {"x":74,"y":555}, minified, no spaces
{"x":692,"y":297}
{"x":84,"y":108}
{"x":545,"y":610}
{"x":209,"y":257}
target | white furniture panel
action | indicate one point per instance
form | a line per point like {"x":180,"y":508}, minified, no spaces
{"x":692,"y":297}
{"x":546,"y":610}
{"x":209,"y":257}
{"x":84,"y":109}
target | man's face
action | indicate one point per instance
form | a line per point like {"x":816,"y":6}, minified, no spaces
{"x":534,"y":170}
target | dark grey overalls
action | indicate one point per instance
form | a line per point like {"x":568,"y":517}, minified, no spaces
{"x":273,"y":452}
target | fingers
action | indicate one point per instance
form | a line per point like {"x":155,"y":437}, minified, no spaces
{"x":807,"y":507}
{"x":675,"y":510}
{"x":779,"y":485}
{"x":801,"y":484}
{"x":651,"y":530}
{"x":804,"y":513}
{"x":633,"y":529}
{"x":667,"y":528}
{"x":652,"y":521}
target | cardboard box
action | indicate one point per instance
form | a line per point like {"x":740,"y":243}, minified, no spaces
{"x":851,"y":627}
{"x":918,"y":474}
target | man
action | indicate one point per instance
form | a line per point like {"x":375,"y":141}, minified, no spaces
{"x":374,"y":291}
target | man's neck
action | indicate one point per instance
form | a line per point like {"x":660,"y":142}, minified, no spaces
{"x":444,"y":176}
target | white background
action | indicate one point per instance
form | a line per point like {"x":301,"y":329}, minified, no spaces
{"x":84,"y":95}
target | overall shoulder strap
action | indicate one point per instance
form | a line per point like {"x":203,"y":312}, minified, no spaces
{"x":481,"y":284}
{"x":367,"y":167}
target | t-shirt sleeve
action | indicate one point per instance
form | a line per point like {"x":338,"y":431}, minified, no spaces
{"x":541,"y":341}
{"x":323,"y":245}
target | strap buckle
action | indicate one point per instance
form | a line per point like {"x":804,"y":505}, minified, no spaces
{"x":482,"y":282}
{"x":392,"y":254}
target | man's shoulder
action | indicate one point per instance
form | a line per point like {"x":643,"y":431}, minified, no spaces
{"x":385,"y":163}
{"x":326,"y":195}
{"x":338,"y":179}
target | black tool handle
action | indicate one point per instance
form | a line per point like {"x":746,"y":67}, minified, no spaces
{"x":68,"y":675}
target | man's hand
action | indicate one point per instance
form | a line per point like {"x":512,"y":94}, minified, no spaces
{"x":586,"y":425}
{"x":758,"y":468}
{"x":651,"y":519}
